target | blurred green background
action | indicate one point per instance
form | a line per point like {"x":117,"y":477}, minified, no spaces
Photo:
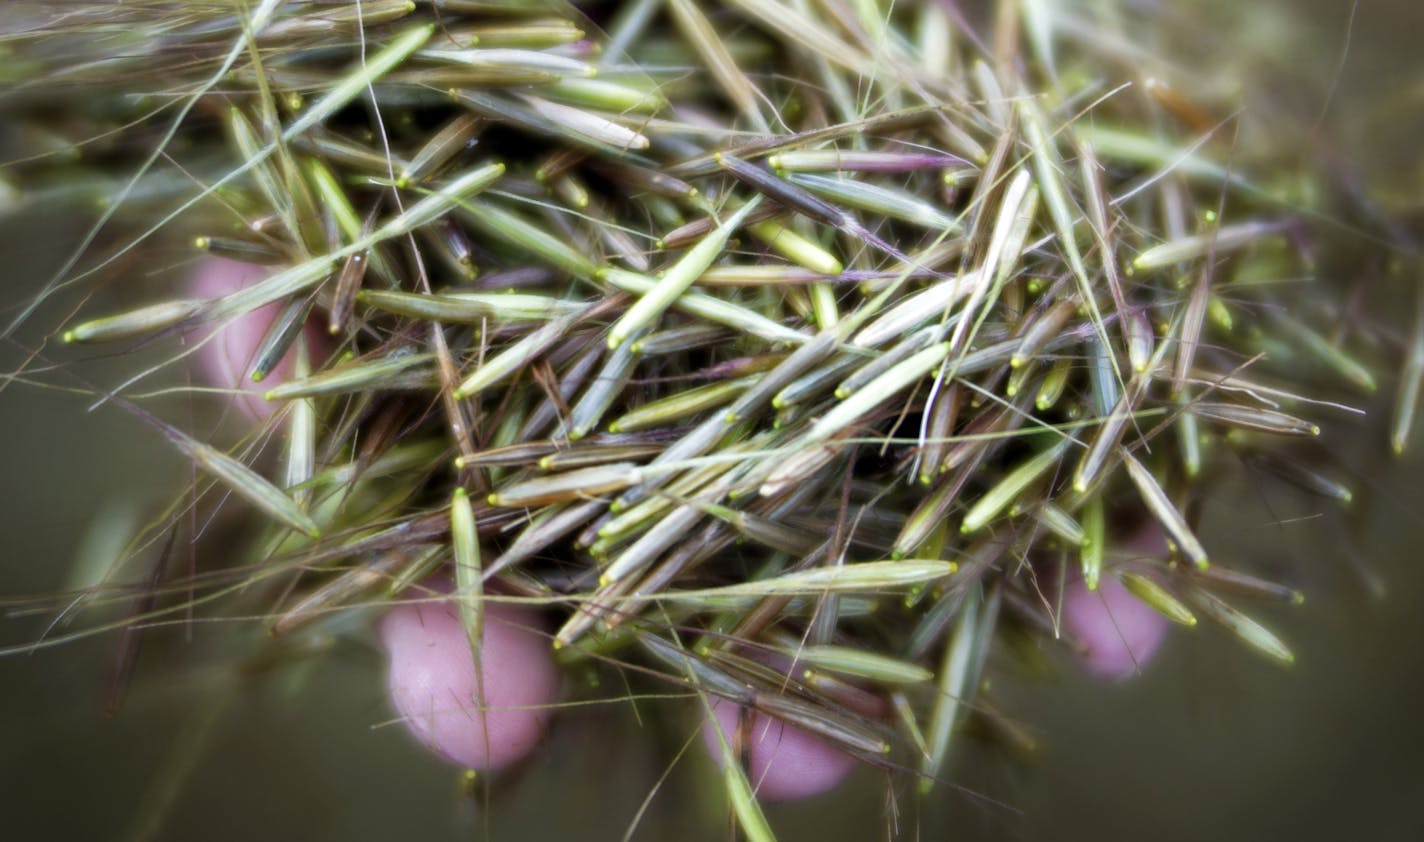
{"x":1211,"y":743}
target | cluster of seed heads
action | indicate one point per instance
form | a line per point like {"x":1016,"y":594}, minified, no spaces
{"x":822,"y":329}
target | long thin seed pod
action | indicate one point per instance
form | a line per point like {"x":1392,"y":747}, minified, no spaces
{"x":301,"y":437}
{"x":698,"y":30}
{"x":681,"y":405}
{"x":1094,"y":541}
{"x":1057,"y":520}
{"x":1219,"y":241}
{"x":496,"y":369}
{"x":1406,"y":402}
{"x":849,"y":578}
{"x":244,"y":482}
{"x":1253,"y":418}
{"x":1050,"y":183}
{"x":715,"y":310}
{"x":583,"y":483}
{"x":789,"y":195}
{"x":1159,"y":598}
{"x":382,"y":372}
{"x":279,"y":338}
{"x":1327,"y":352}
{"x":543,"y":532}
{"x":1047,"y":326}
{"x":958,"y":676}
{"x":879,"y":161}
{"x":878,"y":390}
{"x":348,"y":283}
{"x":471,"y":307}
{"x":876,"y":199}
{"x":600,"y":394}
{"x":521,"y":234}
{"x":1014,"y":482}
{"x":858,"y":663}
{"x":238,"y":248}
{"x":739,"y":791}
{"x":140,"y":322}
{"x":1247,"y":630}
{"x":800,"y":250}
{"x":442,"y":201}
{"x":455,"y":137}
{"x":374,"y":67}
{"x":677,"y":279}
{"x":364,"y":578}
{"x":1189,"y":335}
{"x":1234,"y":581}
{"x":1167,"y":515}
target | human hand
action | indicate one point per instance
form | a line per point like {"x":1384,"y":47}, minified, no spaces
{"x":432,"y":678}
{"x":499,"y":719}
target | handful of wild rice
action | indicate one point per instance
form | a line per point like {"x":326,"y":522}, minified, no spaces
{"x":712,"y":327}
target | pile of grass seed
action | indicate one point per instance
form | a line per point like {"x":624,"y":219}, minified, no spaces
{"x":832,"y":328}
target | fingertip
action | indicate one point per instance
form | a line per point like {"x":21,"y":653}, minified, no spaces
{"x":225,"y":359}
{"x":1119,"y":633}
{"x":784,"y":762}
{"x":433,"y":686}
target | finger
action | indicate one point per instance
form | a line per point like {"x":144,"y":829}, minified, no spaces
{"x":480,"y":725}
{"x":227,"y":351}
{"x":783,"y":761}
{"x":1119,"y":632}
